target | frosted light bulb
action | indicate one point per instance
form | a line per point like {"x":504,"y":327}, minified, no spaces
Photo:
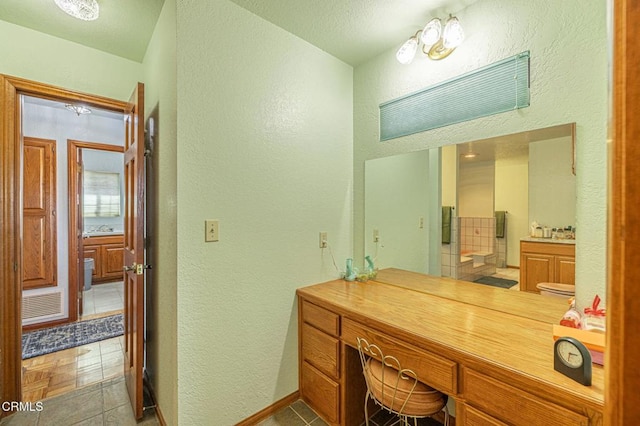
{"x":431,"y":32}
{"x":453,"y":34}
{"x":407,"y":52}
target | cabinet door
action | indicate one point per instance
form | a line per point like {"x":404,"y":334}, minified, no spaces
{"x":565,"y":270}
{"x":93,"y":252}
{"x":112,"y":260}
{"x":320,"y":392}
{"x":536,"y":268}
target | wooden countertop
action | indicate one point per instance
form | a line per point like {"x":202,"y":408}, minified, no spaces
{"x":482,"y":327}
{"x":548,"y":240}
{"x":524,"y":304}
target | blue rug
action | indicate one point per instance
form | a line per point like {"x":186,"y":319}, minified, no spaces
{"x":48,"y":340}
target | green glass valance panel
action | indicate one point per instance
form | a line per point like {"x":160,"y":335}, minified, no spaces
{"x":498,"y":87}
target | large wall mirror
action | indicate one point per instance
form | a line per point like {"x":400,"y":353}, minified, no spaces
{"x":525,"y":177}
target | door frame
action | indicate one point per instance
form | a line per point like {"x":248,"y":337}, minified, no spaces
{"x":74,"y":221}
{"x":622,"y":375}
{"x":10,"y":216}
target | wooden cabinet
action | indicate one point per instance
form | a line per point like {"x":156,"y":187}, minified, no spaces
{"x":107,"y":253}
{"x":498,"y":402}
{"x":485,"y":351}
{"x":546,"y":262}
{"x":319,"y":360}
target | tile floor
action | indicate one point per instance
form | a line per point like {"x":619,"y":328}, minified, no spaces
{"x":509,"y":274}
{"x":299,"y":414}
{"x":103,"y":298}
{"x":60,"y":372}
{"x":70,"y":375}
{"x":105,"y":403}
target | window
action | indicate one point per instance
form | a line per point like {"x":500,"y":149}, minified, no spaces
{"x":101,"y":194}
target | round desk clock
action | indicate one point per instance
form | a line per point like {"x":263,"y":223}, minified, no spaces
{"x":572,"y":359}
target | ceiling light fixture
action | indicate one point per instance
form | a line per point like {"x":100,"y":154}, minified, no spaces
{"x":437,"y":42}
{"x":87,"y":10}
{"x":470,"y":153}
{"x":78,"y":109}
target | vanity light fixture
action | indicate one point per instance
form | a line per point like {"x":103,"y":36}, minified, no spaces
{"x":78,"y":109}
{"x":87,"y":10}
{"x":437,"y":42}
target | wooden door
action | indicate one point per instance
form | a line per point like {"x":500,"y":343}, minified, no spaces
{"x":565,"y":270}
{"x":536,"y":268}
{"x":39,"y":249}
{"x":134,"y":248}
{"x":112,"y":260}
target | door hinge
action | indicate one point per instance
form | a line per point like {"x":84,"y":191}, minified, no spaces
{"x":15,"y":266}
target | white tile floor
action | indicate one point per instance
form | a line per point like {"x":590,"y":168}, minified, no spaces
{"x":103,"y":298}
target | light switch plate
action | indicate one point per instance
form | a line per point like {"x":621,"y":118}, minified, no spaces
{"x":211,"y":231}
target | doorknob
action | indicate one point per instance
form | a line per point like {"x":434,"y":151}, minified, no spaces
{"x":138,"y":267}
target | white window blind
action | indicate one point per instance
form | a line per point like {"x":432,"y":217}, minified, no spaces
{"x":101,"y":194}
{"x":498,"y":87}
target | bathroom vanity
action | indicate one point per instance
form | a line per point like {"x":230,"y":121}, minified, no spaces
{"x":489,"y":349}
{"x":107,"y":252}
{"x":546,"y":260}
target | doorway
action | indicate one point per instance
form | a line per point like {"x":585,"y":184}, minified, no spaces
{"x":69,"y":130}
{"x":11,"y":254}
{"x":88,"y":223}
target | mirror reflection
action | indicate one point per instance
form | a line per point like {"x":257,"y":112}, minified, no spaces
{"x":463,"y":211}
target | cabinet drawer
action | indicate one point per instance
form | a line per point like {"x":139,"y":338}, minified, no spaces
{"x":437,"y":372}
{"x":321,"y":318}
{"x":555,"y":249}
{"x":473,"y":417}
{"x":321,"y":393}
{"x":515,"y":406}
{"x":320,"y":350}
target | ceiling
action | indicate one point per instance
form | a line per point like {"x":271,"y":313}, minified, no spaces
{"x":351,"y":30}
{"x":354,"y":30}
{"x":124,"y":27}
{"x":513,"y":147}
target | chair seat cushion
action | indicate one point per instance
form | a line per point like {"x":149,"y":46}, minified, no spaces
{"x":423,"y":401}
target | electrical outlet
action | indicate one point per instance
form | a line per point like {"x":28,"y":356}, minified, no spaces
{"x":421,"y":223}
{"x":376,"y":236}
{"x":211,"y":231}
{"x":323,"y":240}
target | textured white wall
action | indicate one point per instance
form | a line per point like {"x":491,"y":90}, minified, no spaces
{"x":567,"y":41}
{"x":396,"y":195}
{"x":512,"y":195}
{"x":449,"y":163}
{"x":552,"y":184}
{"x":265,"y":131}
{"x":160,"y":99}
{"x":47,"y":59}
{"x":41,"y":121}
{"x":476,"y":187}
